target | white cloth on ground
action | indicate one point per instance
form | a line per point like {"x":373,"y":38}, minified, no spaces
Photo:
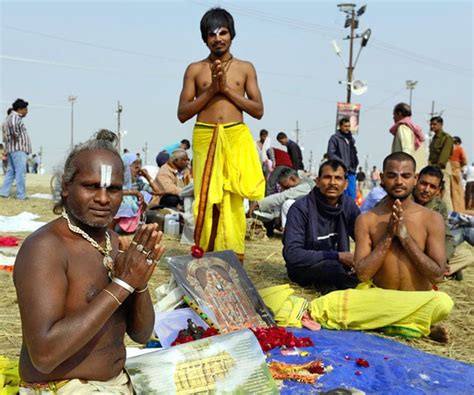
{"x":22,"y":222}
{"x":169,"y":296}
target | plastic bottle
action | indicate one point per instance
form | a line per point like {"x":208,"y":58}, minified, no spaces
{"x":171,"y":224}
{"x":173,"y":228}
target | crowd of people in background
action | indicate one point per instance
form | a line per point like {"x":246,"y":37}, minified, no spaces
{"x":286,"y":179}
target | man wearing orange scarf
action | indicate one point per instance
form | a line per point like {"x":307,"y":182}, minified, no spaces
{"x":407,"y":136}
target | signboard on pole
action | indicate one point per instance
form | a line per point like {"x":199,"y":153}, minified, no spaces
{"x":350,"y":111}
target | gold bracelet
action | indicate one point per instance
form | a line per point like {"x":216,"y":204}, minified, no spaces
{"x":113,"y":296}
{"x":139,"y":291}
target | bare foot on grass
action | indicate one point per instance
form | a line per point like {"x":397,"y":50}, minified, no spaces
{"x":439,"y":333}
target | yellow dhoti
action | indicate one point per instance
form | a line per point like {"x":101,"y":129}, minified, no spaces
{"x":226,"y":169}
{"x":404,"y":313}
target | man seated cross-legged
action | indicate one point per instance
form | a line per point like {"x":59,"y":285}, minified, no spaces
{"x":316,"y":238}
{"x":399,"y":256}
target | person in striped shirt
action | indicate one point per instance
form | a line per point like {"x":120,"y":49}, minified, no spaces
{"x":18,"y":147}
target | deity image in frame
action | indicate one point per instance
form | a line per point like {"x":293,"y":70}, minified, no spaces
{"x":218,"y":282}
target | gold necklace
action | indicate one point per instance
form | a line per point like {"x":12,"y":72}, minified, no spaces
{"x":108,"y":262}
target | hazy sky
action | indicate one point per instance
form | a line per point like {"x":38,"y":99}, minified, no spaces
{"x":136,"y":52}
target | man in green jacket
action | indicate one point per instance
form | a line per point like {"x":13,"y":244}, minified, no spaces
{"x":441,"y":148}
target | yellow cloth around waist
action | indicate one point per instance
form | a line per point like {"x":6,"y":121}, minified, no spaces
{"x":235,"y":173}
{"x":405,"y":313}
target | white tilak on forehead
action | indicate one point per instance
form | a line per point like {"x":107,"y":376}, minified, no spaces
{"x":105,"y":176}
{"x":217,"y":30}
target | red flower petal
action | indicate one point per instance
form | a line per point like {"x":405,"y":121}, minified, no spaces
{"x":362,"y":362}
{"x":316,"y":367}
{"x":273,"y":337}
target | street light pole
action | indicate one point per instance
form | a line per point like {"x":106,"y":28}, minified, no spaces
{"x":350,"y":67}
{"x":352,"y":21}
{"x":71,"y":100}
{"x":410,"y":86}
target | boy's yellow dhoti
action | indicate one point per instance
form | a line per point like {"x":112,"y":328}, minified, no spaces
{"x":226,"y":169}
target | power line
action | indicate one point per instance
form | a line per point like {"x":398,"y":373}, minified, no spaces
{"x":421,"y":59}
{"x":384,"y":100}
{"x":120,"y":50}
{"x":306,"y":97}
{"x":325,"y":31}
{"x":329,"y":32}
{"x":89,"y":44}
{"x":39,"y":105}
{"x":322,"y":30}
{"x":51,"y":63}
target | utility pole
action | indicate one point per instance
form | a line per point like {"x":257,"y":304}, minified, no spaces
{"x":434,"y":113}
{"x":297,"y":133}
{"x":71,"y":100}
{"x":119,"y":111}
{"x":432,"y":109}
{"x":410,"y":86}
{"x":350,"y":68}
{"x":311,"y":162}
{"x":145,"y":151}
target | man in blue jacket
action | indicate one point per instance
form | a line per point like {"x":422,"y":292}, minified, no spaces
{"x":316,"y":237}
{"x":341,"y":146}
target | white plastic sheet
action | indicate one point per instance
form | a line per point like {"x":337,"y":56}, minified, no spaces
{"x":23,"y":222}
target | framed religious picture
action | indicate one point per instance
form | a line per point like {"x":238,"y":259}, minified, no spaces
{"x":219,"y":285}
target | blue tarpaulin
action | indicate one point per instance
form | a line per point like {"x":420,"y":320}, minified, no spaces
{"x":394,"y":367}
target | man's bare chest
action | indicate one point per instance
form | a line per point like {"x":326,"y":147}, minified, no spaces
{"x":87,"y":277}
{"x":415,"y":226}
